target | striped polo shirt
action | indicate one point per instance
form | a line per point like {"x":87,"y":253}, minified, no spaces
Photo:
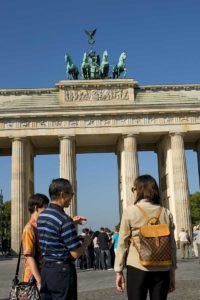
{"x":57,"y":234}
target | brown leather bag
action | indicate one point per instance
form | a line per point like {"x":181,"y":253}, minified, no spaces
{"x":155,"y":242}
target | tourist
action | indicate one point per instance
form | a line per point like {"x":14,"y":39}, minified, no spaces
{"x":183,"y":240}
{"x":196,"y":234}
{"x":158,"y":281}
{"x":115,"y":238}
{"x":60,"y":244}
{"x":4,"y":246}
{"x":36,"y":204}
{"x":90,"y":250}
{"x":81,"y":261}
{"x":97,"y":265}
{"x":104,"y":244}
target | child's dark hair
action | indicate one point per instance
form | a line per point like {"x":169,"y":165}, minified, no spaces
{"x":36,"y":201}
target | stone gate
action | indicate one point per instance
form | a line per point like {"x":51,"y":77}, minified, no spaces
{"x":85,"y":116}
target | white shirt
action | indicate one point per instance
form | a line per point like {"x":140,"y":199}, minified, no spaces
{"x":197,"y":236}
{"x":183,"y":236}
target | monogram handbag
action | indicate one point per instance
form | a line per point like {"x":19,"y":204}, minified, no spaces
{"x":23,"y":290}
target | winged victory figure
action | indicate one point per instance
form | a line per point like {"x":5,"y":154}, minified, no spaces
{"x":91,"y":35}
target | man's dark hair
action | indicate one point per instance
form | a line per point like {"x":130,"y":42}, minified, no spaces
{"x":96,"y":233}
{"x":36,"y":201}
{"x":147,"y":188}
{"x":102,"y":228}
{"x":58,"y":186}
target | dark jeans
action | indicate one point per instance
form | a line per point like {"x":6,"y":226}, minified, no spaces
{"x":59,"y":282}
{"x":89,"y":253}
{"x":105,"y":259}
{"x":140,"y":282}
{"x":97,"y":258}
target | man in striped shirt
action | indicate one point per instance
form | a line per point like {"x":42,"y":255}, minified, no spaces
{"x":59,"y":244}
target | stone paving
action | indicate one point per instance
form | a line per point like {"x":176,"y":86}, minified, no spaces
{"x":98,"y":285}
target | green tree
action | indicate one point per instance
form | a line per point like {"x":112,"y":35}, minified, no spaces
{"x":195,"y":208}
{"x":5,"y":220}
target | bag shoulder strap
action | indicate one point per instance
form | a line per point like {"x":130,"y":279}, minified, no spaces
{"x":146,"y":215}
{"x":16,"y":280}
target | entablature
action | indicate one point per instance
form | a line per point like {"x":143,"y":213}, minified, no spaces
{"x":86,"y":95}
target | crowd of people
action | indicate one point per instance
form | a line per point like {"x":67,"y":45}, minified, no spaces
{"x":100,"y":253}
{"x":189,"y":245}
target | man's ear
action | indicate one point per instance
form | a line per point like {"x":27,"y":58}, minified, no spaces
{"x":62,"y":195}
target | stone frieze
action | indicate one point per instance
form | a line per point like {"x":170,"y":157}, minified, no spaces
{"x":99,"y":121}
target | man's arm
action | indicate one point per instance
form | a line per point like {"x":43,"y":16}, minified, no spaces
{"x":80,"y":251}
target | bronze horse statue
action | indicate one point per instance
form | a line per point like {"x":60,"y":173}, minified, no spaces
{"x":120,"y":67}
{"x":104,"y":68}
{"x":85,"y":67}
{"x":71,"y":68}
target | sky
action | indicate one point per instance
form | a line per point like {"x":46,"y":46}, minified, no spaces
{"x":162,"y":42}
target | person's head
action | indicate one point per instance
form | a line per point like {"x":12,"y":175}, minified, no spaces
{"x":146,"y":187}
{"x":102,"y":229}
{"x":37,"y":203}
{"x":117,"y":228}
{"x":107,"y":230}
{"x":86,"y":230}
{"x":96,"y":233}
{"x":61,"y":191}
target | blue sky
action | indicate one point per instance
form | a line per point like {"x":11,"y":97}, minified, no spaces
{"x":162,"y":42}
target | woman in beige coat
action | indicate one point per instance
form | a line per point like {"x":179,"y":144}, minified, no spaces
{"x":157,"y":280}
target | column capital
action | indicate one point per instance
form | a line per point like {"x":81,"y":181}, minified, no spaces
{"x":18,"y":138}
{"x":134,"y":134}
{"x":67,"y":137}
{"x":121,"y":139}
{"x":178,"y":133}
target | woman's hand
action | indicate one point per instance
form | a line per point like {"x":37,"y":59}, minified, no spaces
{"x":120,"y":281}
{"x":171,"y":280}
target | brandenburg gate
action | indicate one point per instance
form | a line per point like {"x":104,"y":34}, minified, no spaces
{"x":109,"y":115}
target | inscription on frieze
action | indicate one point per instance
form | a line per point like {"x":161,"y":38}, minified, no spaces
{"x":97,"y":95}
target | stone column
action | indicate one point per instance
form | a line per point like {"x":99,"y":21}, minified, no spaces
{"x":128,"y":167}
{"x":119,"y":180}
{"x":21,"y":187}
{"x":163,"y":147}
{"x":180,"y":183}
{"x":68,"y":168}
{"x":198,"y":158}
